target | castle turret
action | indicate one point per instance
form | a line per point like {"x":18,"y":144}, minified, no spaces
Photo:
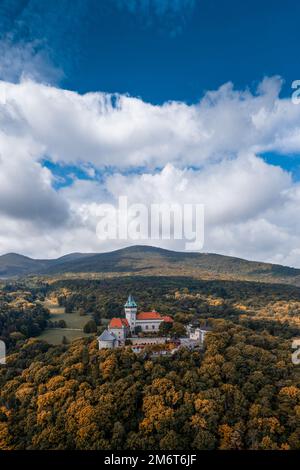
{"x":130,"y":312}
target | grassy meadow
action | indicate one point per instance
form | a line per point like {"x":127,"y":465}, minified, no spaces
{"x":74,"y":322}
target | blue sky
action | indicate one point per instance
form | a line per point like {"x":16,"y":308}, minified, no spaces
{"x":173,"y":116}
{"x":159,"y":49}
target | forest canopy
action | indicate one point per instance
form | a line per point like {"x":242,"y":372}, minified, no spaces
{"x":241,"y":392}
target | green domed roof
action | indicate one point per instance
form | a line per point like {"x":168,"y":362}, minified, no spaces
{"x":130,"y":302}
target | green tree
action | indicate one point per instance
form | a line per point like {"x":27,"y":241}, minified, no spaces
{"x":90,"y":327}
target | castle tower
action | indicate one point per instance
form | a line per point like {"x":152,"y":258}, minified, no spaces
{"x":130,"y":312}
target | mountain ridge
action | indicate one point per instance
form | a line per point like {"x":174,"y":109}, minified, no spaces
{"x":148,"y":260}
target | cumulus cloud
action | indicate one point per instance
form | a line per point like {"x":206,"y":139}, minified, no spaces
{"x":251,"y":208}
{"x":122,"y":131}
{"x":226,"y":188}
{"x":206,"y":153}
{"x":25,"y":187}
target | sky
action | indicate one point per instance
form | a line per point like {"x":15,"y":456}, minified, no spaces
{"x":182,"y":101}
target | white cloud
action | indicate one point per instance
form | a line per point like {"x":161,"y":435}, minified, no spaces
{"x":124,"y":131}
{"x":25,"y":187}
{"x":26,"y":60}
{"x":204,"y":153}
{"x":251,"y":208}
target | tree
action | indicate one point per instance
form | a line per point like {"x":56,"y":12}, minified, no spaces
{"x":177,"y":330}
{"x":204,"y":440}
{"x":90,"y":327}
{"x":165,"y":328}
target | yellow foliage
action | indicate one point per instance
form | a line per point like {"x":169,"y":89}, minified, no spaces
{"x":24,"y":392}
{"x":225,"y":432}
{"x":290,"y":392}
{"x":203,"y":406}
{"x":55,"y":382}
{"x":156,"y":414}
{"x":4,"y":437}
{"x":198,"y":421}
{"x":108,"y":366}
{"x":43,"y":417}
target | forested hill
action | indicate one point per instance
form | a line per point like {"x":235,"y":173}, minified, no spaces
{"x":151,"y":261}
{"x":240,"y":393}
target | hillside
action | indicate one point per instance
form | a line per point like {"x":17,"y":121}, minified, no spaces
{"x":13,"y":264}
{"x":151,"y":261}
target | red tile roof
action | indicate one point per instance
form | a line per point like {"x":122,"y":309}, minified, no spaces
{"x":168,"y":319}
{"x":149,"y":316}
{"x":118,"y":323}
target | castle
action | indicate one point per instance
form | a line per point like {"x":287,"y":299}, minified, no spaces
{"x":121,"y":328}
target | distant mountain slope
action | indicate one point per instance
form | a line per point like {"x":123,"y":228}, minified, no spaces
{"x":13,"y":264}
{"x":151,"y":261}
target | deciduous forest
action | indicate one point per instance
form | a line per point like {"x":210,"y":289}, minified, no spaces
{"x":241,"y":391}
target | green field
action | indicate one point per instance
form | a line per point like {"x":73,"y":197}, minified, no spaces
{"x":56,"y":336}
{"x":73,"y":321}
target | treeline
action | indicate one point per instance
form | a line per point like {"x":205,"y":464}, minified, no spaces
{"x":186,"y":299}
{"x":150,"y":290}
{"x":18,"y":323}
{"x":242,"y":392}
